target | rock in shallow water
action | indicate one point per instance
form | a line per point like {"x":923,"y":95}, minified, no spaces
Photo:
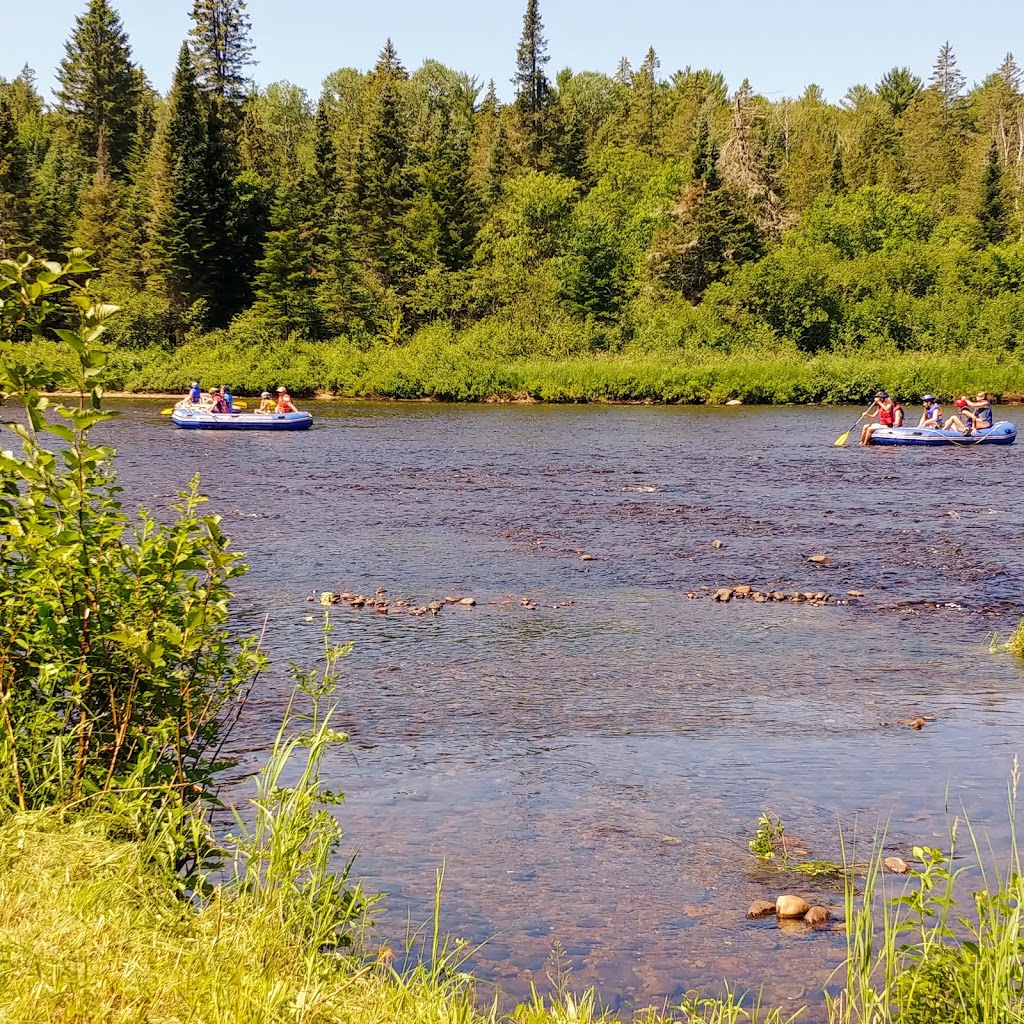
{"x":791,"y":906}
{"x":818,"y":917}
{"x":759,"y":909}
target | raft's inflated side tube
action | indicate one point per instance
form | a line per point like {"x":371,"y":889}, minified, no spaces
{"x":189,"y":419}
{"x":1002,"y":432}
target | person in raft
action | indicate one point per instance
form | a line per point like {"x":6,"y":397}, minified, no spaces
{"x":267,"y":404}
{"x":217,"y":403}
{"x":284,"y":401}
{"x":971,"y":416}
{"x":229,"y":400}
{"x":195,"y":393}
{"x":962,"y":419}
{"x":932,"y":415}
{"x":889,"y":413}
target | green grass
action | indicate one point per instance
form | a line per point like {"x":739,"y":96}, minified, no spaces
{"x":439,"y":366}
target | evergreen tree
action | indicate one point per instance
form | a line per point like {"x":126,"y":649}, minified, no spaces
{"x":485,"y":128}
{"x":898,"y":89}
{"x":644,"y":106}
{"x":993,"y":213}
{"x":15,"y":188}
{"x":286,"y":282}
{"x":704,"y":158}
{"x":384,"y":186}
{"x":182,"y":246}
{"x":100,"y":87}
{"x":497,"y":166}
{"x":222,"y":48}
{"x":128,"y":255}
{"x":709,"y":233}
{"x":1009,"y":72}
{"x":946,"y":78}
{"x":97,"y":229}
{"x":62,"y":178}
{"x":533,"y":91}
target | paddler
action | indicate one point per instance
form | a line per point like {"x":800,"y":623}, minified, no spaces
{"x":267,"y":404}
{"x":932,"y":415}
{"x":284,"y":401}
{"x":195,"y":393}
{"x":884,"y":408}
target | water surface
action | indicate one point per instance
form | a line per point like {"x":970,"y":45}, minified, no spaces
{"x":591,"y":770}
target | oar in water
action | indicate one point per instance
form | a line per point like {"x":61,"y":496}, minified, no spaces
{"x":843,"y":438}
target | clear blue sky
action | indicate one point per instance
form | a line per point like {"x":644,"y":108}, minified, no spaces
{"x":780,"y":47}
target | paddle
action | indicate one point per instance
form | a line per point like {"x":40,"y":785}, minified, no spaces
{"x":843,"y":438}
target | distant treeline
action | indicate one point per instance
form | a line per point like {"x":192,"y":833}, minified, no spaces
{"x":634,"y":213}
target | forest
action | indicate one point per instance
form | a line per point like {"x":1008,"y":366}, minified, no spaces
{"x":649,"y":234}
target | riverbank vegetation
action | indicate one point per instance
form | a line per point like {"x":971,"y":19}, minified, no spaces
{"x":641,"y":234}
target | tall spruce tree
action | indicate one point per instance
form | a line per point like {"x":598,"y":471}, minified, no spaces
{"x":222,"y":48}
{"x":384,"y":186}
{"x":946,"y":77}
{"x":993,"y":212}
{"x":182,"y":246}
{"x":100,"y":87}
{"x":533,"y":91}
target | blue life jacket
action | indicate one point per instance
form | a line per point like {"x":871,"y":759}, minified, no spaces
{"x":933,"y":412}
{"x":985,"y":415}
{"x":195,"y":395}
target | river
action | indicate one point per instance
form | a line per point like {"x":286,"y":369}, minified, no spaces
{"x":590,"y":765}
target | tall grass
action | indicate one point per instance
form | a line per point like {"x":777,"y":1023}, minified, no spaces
{"x":947,"y":946}
{"x":449,"y":367}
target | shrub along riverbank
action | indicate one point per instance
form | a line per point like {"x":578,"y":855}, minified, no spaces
{"x":446,"y":367}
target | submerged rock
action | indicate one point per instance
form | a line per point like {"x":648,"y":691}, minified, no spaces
{"x":818,"y":917}
{"x":897,"y":865}
{"x":759,"y":909}
{"x":724,"y":595}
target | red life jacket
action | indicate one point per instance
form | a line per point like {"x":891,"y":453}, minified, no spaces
{"x":887,"y":414}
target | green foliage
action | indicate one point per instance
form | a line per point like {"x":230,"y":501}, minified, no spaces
{"x":283,"y":858}
{"x":116,"y":666}
{"x":769,"y":837}
{"x":100,"y":87}
{"x":221,"y":47}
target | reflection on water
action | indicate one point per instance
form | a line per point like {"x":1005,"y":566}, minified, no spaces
{"x":590,"y":772}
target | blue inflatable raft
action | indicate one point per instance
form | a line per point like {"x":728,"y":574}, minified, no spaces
{"x":1002,"y":432}
{"x":198,"y":419}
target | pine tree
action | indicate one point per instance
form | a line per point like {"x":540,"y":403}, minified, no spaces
{"x":946,"y":77}
{"x":222,"y":48}
{"x":898,"y":89}
{"x":993,"y":212}
{"x":182,"y":246}
{"x":533,"y":92}
{"x":100,"y":87}
{"x":97,"y":229}
{"x":497,"y":166}
{"x":15,"y":188}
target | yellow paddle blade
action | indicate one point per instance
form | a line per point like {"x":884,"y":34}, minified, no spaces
{"x":240,"y":404}
{"x":166,"y":412}
{"x":841,"y":439}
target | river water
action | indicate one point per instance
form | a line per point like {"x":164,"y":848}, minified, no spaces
{"x":590,"y":765}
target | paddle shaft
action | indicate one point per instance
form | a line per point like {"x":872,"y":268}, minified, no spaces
{"x":842,"y":438}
